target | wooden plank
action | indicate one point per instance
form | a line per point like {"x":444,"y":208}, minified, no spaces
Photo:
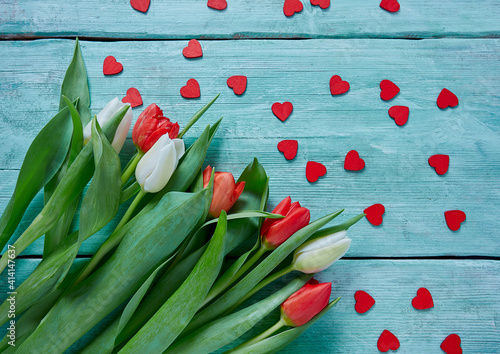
{"x":397,"y":173}
{"x":465,"y":294}
{"x":248,"y":19}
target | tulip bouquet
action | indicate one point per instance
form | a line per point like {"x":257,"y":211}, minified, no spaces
{"x":161,"y":278}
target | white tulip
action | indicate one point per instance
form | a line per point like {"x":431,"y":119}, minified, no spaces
{"x":103,"y":116}
{"x":159,"y":163}
{"x":320,"y":253}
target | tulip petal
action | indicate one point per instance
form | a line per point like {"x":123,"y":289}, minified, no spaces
{"x":281,"y":230}
{"x":180,"y":149}
{"x":305,"y":303}
{"x":282,"y":209}
{"x":122,"y":131}
{"x":319,"y":259}
{"x":165,"y":167}
{"x":207,"y":172}
{"x":322,"y":242}
{"x":149,"y":161}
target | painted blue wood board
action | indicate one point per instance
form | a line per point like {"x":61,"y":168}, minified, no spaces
{"x":397,"y":173}
{"x":248,"y":19}
{"x":465,"y":302}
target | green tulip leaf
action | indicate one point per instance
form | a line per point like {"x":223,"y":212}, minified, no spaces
{"x":218,"y":333}
{"x":336,"y":228}
{"x":247,"y":214}
{"x":279,"y":341}
{"x":197,"y":116}
{"x":43,"y":159}
{"x":75,"y":85}
{"x":162,"y":329}
{"x":85,"y":304}
{"x":69,"y":188}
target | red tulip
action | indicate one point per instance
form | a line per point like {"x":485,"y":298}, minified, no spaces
{"x":305,"y":303}
{"x":226,"y":191}
{"x":150,"y":126}
{"x":276,"y":231}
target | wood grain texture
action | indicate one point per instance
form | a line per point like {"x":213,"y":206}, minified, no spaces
{"x":397,"y":173}
{"x":465,"y":302}
{"x":248,"y":19}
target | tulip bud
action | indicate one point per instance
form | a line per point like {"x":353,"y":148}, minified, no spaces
{"x":150,"y":126}
{"x":226,"y":191}
{"x":106,"y":114}
{"x":320,"y":253}
{"x":276,"y":231}
{"x":305,"y":303}
{"x":158,"y":164}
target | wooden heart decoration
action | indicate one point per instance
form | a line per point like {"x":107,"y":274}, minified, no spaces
{"x":364,"y":301}
{"x":288,"y":148}
{"x":390,"y":5}
{"x":353,"y":162}
{"x":440,"y":163}
{"x":238,"y":84}
{"x":399,"y":114}
{"x":282,"y":110}
{"x":140,"y":5}
{"x":133,"y":97}
{"x":454,"y":218}
{"x":451,"y":344}
{"x":111,"y":66}
{"x":324,"y":4}
{"x":447,"y":99}
{"x":387,"y":341}
{"x":290,"y":7}
{"x":374,"y":214}
{"x":193,"y":49}
{"x":388,"y":90}
{"x":338,"y":86}
{"x":423,"y":300}
{"x":217,"y":4}
{"x":191,"y":90}
{"x":314,"y":170}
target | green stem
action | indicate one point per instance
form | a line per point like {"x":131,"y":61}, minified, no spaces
{"x":273,"y":329}
{"x":246,"y":266}
{"x":130,"y":168}
{"x":212,"y":294}
{"x":259,"y":286}
{"x":112,"y":240}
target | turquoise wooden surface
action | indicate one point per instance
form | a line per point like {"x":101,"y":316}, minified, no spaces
{"x":397,"y":173}
{"x":356,"y":41}
{"x":248,"y":19}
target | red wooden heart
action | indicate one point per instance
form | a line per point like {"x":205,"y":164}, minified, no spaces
{"x":454,"y":218}
{"x":364,"y":301}
{"x":111,"y":66}
{"x":440,"y":163}
{"x":374,"y":214}
{"x":292,"y":6}
{"x":353,"y":162}
{"x":193,"y":49}
{"x":399,"y":114}
{"x":191,"y":90}
{"x":423,"y":300}
{"x":390,"y":5}
{"x":387,"y":341}
{"x":451,"y":344}
{"x":338,"y":86}
{"x":140,"y":5}
{"x":324,"y":4}
{"x":238,"y":83}
{"x":388,"y":90}
{"x":217,"y":4}
{"x":133,"y":97}
{"x":288,"y":148}
{"x":447,"y":99}
{"x":314,"y":170}
{"x":282,"y":110}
